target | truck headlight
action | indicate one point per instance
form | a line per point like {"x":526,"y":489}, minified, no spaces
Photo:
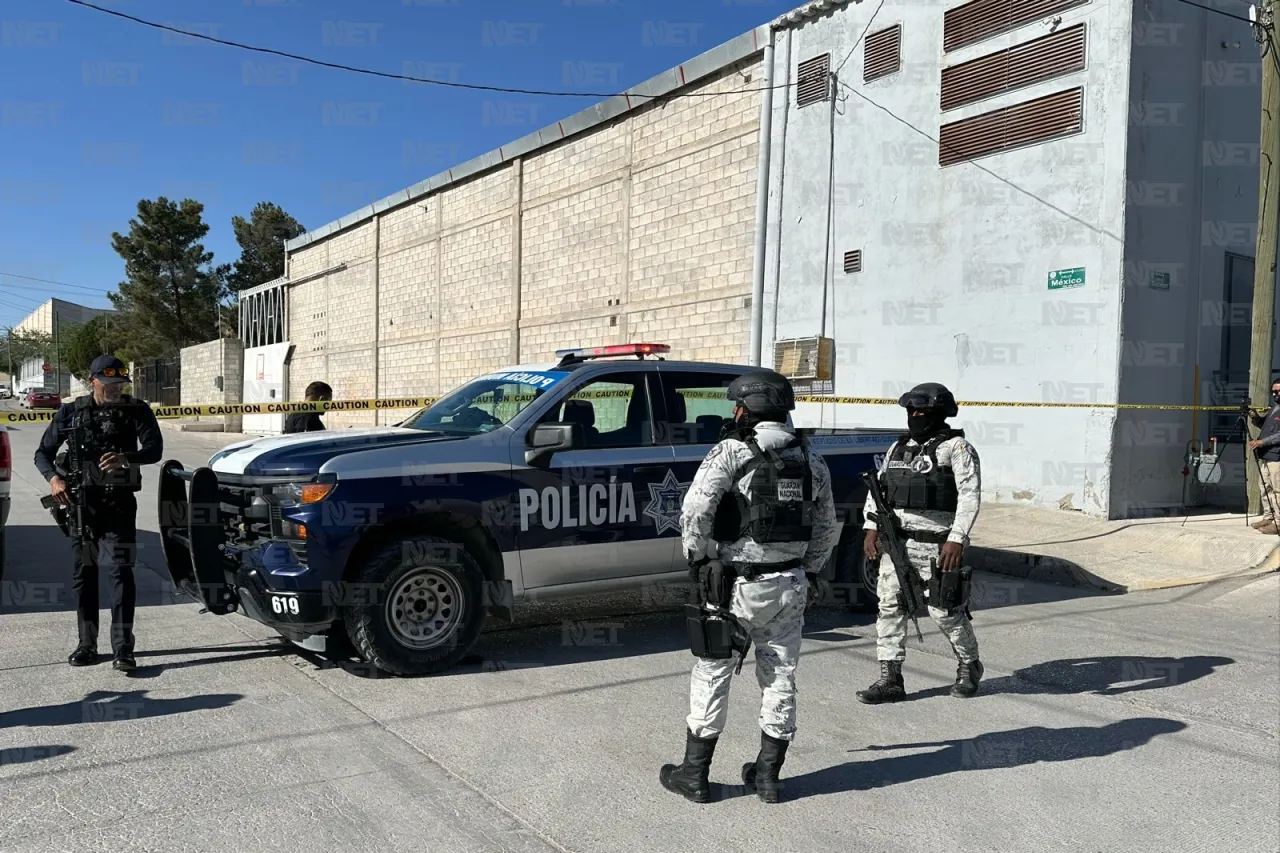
{"x":302,"y":493}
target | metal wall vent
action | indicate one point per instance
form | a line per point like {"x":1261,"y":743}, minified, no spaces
{"x":853,"y":261}
{"x":981,"y":19}
{"x":882,"y":55}
{"x":813,"y":80}
{"x":1050,"y":117}
{"x":1014,"y":68}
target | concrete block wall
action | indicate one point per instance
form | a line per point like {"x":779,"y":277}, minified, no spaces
{"x":640,"y":229}
{"x":202,"y":364}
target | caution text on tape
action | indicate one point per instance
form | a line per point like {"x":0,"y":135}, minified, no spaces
{"x":391,"y":403}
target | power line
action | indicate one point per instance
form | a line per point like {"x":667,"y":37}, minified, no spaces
{"x":23,"y":296}
{"x":391,"y":76}
{"x":50,"y":281}
{"x":1211,"y":9}
{"x":19,"y":307}
{"x":979,"y":166}
{"x":849,"y":55}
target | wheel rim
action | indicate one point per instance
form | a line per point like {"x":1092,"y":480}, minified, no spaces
{"x":425,"y":608}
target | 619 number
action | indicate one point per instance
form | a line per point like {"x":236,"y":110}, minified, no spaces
{"x":284,"y":604}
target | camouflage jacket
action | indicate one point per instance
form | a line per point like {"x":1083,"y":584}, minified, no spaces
{"x":715,"y":481}
{"x":959,"y":455}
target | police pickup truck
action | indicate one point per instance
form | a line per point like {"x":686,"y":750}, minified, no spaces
{"x":537,"y":481}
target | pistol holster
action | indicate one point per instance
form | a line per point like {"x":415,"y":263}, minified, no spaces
{"x":949,"y":591}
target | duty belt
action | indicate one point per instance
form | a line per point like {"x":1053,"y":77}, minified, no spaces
{"x":928,"y":536}
{"x":751,"y":571}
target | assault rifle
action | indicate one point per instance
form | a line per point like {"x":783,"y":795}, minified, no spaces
{"x":911,"y":592}
{"x":70,"y":466}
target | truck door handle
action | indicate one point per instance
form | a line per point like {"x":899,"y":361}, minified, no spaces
{"x":651,"y":469}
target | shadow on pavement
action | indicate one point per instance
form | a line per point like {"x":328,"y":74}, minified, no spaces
{"x":581,"y":637}
{"x":1102,"y":676}
{"x":259,"y":653}
{"x":999,"y":750}
{"x":118,"y":705}
{"x":36,"y":573}
{"x":28,"y":754}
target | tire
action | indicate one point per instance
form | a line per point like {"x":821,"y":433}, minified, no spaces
{"x":427,"y":612}
{"x":856,"y":577}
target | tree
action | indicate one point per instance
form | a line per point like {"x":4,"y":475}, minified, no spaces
{"x":261,"y":237}
{"x":173,"y":294}
{"x":24,"y":344}
{"x":99,"y":336}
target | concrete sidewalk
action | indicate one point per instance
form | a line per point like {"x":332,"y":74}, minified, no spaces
{"x":1119,"y":556}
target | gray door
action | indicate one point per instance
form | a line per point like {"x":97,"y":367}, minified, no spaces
{"x":599,"y":512}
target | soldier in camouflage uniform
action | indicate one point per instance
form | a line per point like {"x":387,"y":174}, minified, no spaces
{"x":933,"y":482}
{"x":770,"y":530}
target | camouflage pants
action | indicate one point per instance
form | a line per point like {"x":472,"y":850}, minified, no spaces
{"x":773,"y":610}
{"x":891,"y":626}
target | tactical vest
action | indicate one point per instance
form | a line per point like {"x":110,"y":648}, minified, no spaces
{"x":913,"y":479}
{"x":781,"y":505}
{"x":96,"y":430}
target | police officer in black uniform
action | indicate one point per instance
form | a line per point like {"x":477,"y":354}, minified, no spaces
{"x":95,"y":483}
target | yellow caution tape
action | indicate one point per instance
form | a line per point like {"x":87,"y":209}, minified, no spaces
{"x":389,"y":403}
{"x":882,"y":401}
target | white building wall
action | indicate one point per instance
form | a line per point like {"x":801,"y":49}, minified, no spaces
{"x":953,"y":286}
{"x":1192,"y":201}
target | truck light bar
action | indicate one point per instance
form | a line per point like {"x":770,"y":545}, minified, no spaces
{"x":638,"y":350}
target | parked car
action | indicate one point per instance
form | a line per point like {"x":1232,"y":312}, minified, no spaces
{"x":557,"y":479}
{"x":40,"y":399}
{"x":5,"y":391}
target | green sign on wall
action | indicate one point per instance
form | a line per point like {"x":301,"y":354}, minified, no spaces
{"x":1062,"y":279}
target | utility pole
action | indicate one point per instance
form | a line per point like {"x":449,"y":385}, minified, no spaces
{"x":1264,"y":266}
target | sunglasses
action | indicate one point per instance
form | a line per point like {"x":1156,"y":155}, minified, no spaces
{"x":113,"y":372}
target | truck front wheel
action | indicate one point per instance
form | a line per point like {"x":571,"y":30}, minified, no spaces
{"x":426,"y":609}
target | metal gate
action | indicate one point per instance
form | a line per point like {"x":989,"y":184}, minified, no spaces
{"x":158,"y":381}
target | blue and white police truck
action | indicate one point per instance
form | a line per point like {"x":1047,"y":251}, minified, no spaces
{"x":534,"y":481}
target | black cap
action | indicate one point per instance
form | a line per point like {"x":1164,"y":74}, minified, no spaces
{"x":108,"y":369}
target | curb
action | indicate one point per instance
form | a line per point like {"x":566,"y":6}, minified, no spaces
{"x":1055,"y":570}
{"x":1038,"y":567}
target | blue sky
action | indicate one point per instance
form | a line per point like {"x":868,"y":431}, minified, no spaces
{"x":99,"y":112}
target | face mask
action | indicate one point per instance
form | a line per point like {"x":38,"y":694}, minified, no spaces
{"x":1275,"y":395}
{"x":920,"y":427}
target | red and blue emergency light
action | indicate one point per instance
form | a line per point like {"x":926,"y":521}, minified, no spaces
{"x":638,"y":350}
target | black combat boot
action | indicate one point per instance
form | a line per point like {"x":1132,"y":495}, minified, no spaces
{"x":691,"y":779}
{"x":967,"y":677}
{"x":762,"y":774}
{"x":889,"y":688}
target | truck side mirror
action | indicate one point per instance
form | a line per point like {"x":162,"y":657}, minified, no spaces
{"x":546,"y":439}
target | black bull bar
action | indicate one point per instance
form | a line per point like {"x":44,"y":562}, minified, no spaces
{"x":192,"y":535}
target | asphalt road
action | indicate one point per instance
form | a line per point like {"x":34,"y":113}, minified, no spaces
{"x":1146,"y":722}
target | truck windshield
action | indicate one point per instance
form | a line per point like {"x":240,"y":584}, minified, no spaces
{"x":484,"y":404}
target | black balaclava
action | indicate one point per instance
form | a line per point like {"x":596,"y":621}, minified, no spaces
{"x":1275,"y":396}
{"x":921,"y":428}
{"x":749,"y":419}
